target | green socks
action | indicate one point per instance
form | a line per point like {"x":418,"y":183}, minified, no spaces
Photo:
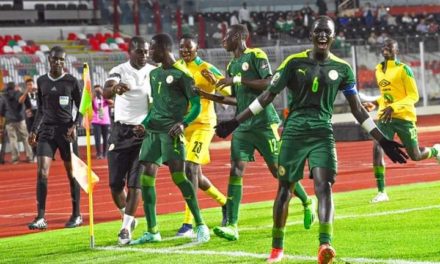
{"x":433,"y":153}
{"x":379,"y":173}
{"x":278,"y":237}
{"x":235,"y":193}
{"x":185,"y":186}
{"x":148,"y":184}
{"x":301,"y":193}
{"x":325,"y":233}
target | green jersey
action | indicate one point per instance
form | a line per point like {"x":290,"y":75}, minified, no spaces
{"x":171,"y":91}
{"x":252,"y":64}
{"x":313,"y":87}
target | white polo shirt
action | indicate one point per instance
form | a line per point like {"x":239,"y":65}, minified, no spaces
{"x":132,"y":107}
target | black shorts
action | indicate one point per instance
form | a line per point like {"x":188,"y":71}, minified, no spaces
{"x":123,"y":157}
{"x":53,"y":137}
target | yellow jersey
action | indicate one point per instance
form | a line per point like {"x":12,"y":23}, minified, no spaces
{"x":398,"y":89}
{"x":207,"y":115}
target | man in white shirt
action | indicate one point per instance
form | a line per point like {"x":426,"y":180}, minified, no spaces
{"x":129,"y":84}
{"x":244,"y":16}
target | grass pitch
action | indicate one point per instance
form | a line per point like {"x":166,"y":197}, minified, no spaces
{"x":404,"y":230}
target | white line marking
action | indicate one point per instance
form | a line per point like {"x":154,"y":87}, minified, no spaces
{"x":176,"y":250}
{"x":402,"y":211}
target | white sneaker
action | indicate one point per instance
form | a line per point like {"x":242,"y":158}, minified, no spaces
{"x":437,"y":147}
{"x":380,"y":197}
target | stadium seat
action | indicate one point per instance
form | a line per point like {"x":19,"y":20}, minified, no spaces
{"x":114,"y":46}
{"x":21,"y":43}
{"x":104,"y":47}
{"x":72,"y":36}
{"x":44,"y":48}
{"x":7,"y":49}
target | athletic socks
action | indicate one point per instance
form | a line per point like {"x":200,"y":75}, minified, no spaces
{"x":235,"y":193}
{"x":301,"y":193}
{"x":325,"y":233}
{"x":148,"y":184}
{"x":212,"y":192}
{"x":122,"y":211}
{"x":126,"y":222}
{"x":185,"y":186}
{"x":433,"y":152}
{"x":379,"y":173}
{"x":188,"y":215}
{"x":41,"y":196}
{"x":278,"y":237}
{"x":75,"y":195}
{"x":215,"y":194}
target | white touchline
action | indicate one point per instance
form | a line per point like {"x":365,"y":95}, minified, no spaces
{"x":173,"y":250}
{"x":402,"y":211}
{"x":183,"y":249}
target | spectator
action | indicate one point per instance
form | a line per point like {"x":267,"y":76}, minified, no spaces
{"x":391,"y":20}
{"x":100,"y":121}
{"x":13,"y":111}
{"x":406,"y":19}
{"x":382,"y":13}
{"x":372,"y":41}
{"x":368,"y":14}
{"x":322,"y":7}
{"x":279,"y":24}
{"x":290,"y":23}
{"x":234,"y":19}
{"x":422,"y":27}
{"x":244,"y":16}
{"x":31,"y":89}
{"x":433,"y":26}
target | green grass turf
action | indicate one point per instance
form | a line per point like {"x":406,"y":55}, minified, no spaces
{"x":405,"y":228}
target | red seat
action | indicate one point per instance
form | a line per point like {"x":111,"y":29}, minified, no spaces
{"x":72,"y":36}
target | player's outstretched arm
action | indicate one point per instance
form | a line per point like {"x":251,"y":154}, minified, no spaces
{"x":390,"y":147}
{"x":222,"y":99}
{"x":257,"y":84}
{"x":111,"y":88}
{"x":225,"y":128}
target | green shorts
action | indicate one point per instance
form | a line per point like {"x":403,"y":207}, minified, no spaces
{"x":265,"y":140}
{"x":160,"y":147}
{"x":405,"y":130}
{"x":319,"y":151}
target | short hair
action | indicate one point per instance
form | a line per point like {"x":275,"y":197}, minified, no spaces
{"x":391,"y":41}
{"x":241,"y":29}
{"x":164,"y":40}
{"x":10,"y":85}
{"x":135,"y":41}
{"x":96,"y":85}
{"x":57,"y":49}
{"x":189,"y":36}
{"x":28,"y":80}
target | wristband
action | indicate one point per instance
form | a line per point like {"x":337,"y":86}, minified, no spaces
{"x":236,"y":79}
{"x":255,"y":107}
{"x":368,"y":124}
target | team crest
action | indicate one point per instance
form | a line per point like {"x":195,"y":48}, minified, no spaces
{"x":275,"y":78}
{"x":245,"y":66}
{"x":281,"y":171}
{"x":111,"y":147}
{"x":333,"y":74}
{"x":169,"y":79}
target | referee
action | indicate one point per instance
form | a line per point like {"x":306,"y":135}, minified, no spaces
{"x":54,"y":128}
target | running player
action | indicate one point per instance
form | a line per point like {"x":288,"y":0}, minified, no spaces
{"x":199,"y":133}
{"x":397,"y":113}
{"x":249,"y":74}
{"x":129,"y":85}
{"x":313,"y":78}
{"x":54,"y":128}
{"x":172,"y":94}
